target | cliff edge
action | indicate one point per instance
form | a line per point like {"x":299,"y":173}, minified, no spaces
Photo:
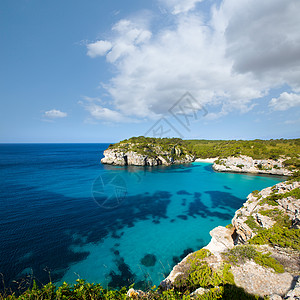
{"x":258,"y":254}
{"x":145,"y":153}
{"x":246,"y":164}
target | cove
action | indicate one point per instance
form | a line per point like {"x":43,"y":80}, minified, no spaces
{"x":56,"y":218}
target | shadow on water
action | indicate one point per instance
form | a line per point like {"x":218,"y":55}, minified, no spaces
{"x":183,"y":192}
{"x":46,"y":225}
{"x":226,"y":187}
{"x":197,"y":207}
{"x":125,"y":277}
{"x":224,"y":199}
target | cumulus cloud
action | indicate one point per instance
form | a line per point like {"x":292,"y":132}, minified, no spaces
{"x":128,"y":36}
{"x":97,"y":112}
{"x":285,"y":101}
{"x":246,"y":48}
{"x":98,"y":48}
{"x":179,"y":6}
{"x":54,"y":114}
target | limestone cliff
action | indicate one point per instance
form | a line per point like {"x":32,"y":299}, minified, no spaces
{"x":246,"y":164}
{"x":268,"y":266}
{"x":146,"y":155}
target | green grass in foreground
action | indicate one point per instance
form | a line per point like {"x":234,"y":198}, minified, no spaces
{"x":87,"y":291}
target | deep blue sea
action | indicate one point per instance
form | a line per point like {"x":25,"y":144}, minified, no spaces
{"x":65,"y":214}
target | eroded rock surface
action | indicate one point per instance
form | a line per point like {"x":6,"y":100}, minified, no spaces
{"x":262,"y":281}
{"x":221,"y":240}
{"x":248,"y":274}
{"x":246,"y":164}
{"x":249,"y":217}
{"x":157,"y":156}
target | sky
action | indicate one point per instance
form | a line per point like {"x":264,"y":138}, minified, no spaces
{"x":99,"y":71}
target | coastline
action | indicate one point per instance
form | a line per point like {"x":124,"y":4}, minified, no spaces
{"x":206,"y":160}
{"x":223,"y":239}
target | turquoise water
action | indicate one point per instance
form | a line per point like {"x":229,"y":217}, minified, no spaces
{"x":65,"y":213}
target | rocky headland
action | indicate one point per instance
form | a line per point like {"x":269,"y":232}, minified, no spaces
{"x":246,"y":164}
{"x":255,"y":257}
{"x":135,"y":154}
{"x":261,"y":248}
{"x":258,"y":255}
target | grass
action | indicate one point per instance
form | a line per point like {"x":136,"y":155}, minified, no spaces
{"x":278,"y":235}
{"x":241,"y":253}
{"x":272,"y":199}
{"x":252,"y":224}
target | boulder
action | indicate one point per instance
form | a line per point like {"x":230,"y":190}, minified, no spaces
{"x":221,"y":240}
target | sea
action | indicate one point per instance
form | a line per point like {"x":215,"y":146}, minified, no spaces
{"x":65,"y":216}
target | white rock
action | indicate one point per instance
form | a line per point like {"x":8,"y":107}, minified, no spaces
{"x":221,"y":240}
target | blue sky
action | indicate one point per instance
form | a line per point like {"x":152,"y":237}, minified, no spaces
{"x":102,"y":71}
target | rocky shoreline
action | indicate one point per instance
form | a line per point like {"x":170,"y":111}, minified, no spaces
{"x":249,"y":275}
{"x":177,"y":155}
{"x":246,"y":164}
{"x":122,"y":157}
{"x":261,"y":211}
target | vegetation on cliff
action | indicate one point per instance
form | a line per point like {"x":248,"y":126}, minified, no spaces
{"x":257,"y":149}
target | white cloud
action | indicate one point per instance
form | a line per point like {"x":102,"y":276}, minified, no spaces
{"x":245,"y":49}
{"x":180,"y":6}
{"x":128,"y":36}
{"x":103,"y":114}
{"x":285,"y":101}
{"x":98,"y":48}
{"x":54,"y":114}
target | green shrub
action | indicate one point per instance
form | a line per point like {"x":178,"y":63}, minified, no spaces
{"x":272,"y":199}
{"x":240,"y":254}
{"x":278,"y":235}
{"x":252,"y":223}
{"x":267,"y":261}
{"x":278,"y":216}
{"x":199,"y":274}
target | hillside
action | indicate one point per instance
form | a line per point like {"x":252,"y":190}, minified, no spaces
{"x":145,"y":151}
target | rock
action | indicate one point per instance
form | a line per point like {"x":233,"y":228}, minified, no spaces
{"x":200,"y":291}
{"x":264,"y":221}
{"x":256,"y":279}
{"x":136,"y":294}
{"x":135,"y":159}
{"x":275,"y":297}
{"x":221,"y":240}
{"x":294,"y":293}
{"x":243,"y":231}
{"x":246,"y":164}
{"x":155,"y":157}
{"x":254,"y":204}
{"x":113,"y":157}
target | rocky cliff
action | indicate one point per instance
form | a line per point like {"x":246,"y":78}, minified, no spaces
{"x":261,"y":249}
{"x":146,"y":155}
{"x":246,"y":164}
